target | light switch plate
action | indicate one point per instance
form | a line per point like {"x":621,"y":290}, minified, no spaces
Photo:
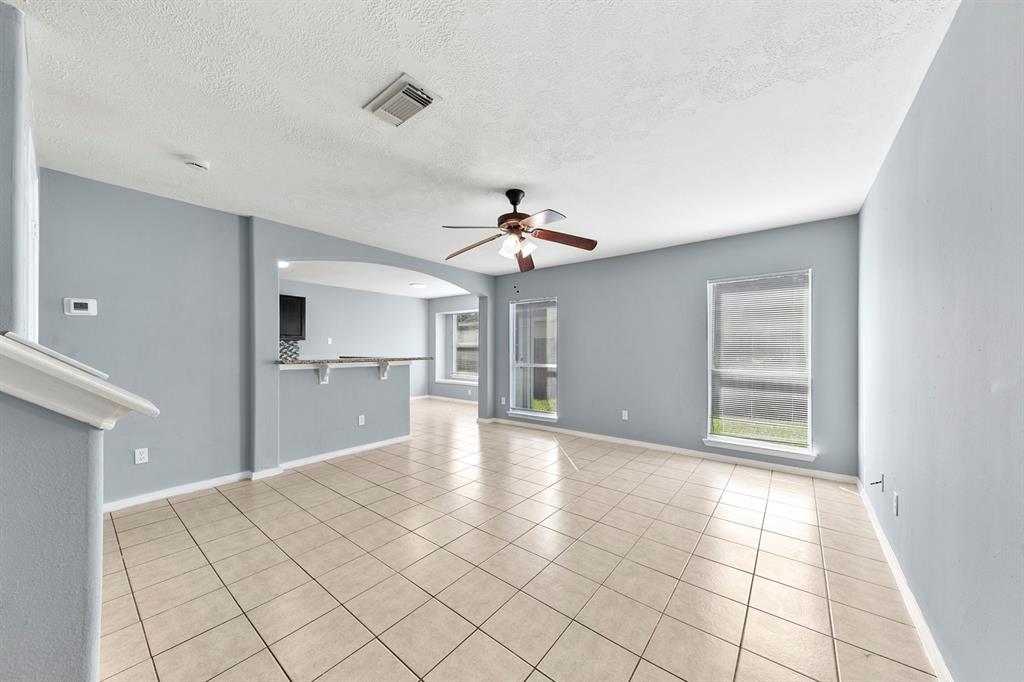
{"x":362,"y":420}
{"x":141,"y":455}
{"x":625,"y":415}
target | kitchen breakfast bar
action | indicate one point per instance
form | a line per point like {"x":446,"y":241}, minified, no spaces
{"x":334,"y":406}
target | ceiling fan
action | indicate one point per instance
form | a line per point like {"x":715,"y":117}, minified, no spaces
{"x":515,"y":227}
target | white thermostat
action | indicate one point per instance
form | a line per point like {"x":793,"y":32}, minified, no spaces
{"x":80,"y":306}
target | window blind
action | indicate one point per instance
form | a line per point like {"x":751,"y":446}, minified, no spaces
{"x":467,"y":344}
{"x":533,"y":356}
{"x":759,"y":359}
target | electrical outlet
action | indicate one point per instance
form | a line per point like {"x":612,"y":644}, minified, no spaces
{"x":362,"y":420}
{"x":625,"y":415}
{"x":502,"y":400}
{"x":141,"y":455}
{"x":329,"y":340}
{"x":469,"y":392}
{"x":895,"y":504}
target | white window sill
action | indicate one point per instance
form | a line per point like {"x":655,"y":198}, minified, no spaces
{"x":761,"y":448}
{"x":530,"y":414}
{"x":460,"y":382}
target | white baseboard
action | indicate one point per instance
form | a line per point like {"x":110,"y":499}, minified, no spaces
{"x":242,"y":475}
{"x":801,"y":471}
{"x":342,"y":453}
{"x":451,"y":400}
{"x":266,"y":473}
{"x":931,"y":647}
{"x":176,"y":490}
{"x":418,"y":397}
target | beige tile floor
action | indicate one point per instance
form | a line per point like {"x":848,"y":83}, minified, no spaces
{"x":487,"y":552}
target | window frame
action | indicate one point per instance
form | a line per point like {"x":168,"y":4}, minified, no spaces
{"x":513,"y":365}
{"x":448,"y":351}
{"x":753,"y":445}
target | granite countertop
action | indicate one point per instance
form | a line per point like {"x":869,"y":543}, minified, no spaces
{"x":348,"y":359}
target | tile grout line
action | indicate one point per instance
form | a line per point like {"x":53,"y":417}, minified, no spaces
{"x":831,"y":618}
{"x":678,"y":579}
{"x":828,"y":598}
{"x":477,"y":566}
{"x":622,"y":557}
{"x":224,"y":585}
{"x":341,"y":604}
{"x":753,"y":579}
{"x":702,"y":534}
{"x":489,"y":481}
{"x":431,"y":596}
{"x":135,"y":602}
{"x":686,"y":563}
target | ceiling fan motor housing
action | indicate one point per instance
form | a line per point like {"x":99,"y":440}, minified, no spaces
{"x":515,"y":196}
{"x":506,"y":220}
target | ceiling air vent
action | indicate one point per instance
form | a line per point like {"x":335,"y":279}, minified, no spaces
{"x":400,"y":101}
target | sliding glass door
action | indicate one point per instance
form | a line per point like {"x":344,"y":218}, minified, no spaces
{"x":533,"y":355}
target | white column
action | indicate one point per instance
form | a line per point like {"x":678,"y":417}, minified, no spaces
{"x":19,"y":187}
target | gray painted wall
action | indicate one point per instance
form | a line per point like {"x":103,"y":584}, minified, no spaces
{"x":173,"y":323}
{"x":363,"y":323}
{"x":632,"y":335}
{"x":51,"y":488}
{"x":50,"y":544}
{"x":317,"y":419}
{"x":188,"y":307}
{"x":942,"y":324}
{"x":446,"y":305}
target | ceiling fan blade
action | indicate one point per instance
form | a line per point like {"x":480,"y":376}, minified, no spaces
{"x":468,"y":227}
{"x":474,"y":245}
{"x":545,"y":217}
{"x":525,"y":262}
{"x":563,"y":238}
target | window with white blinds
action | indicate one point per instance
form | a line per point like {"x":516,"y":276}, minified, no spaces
{"x":459,"y":357}
{"x":466,"y":345}
{"x":759,"y":359}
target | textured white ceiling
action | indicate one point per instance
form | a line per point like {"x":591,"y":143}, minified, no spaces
{"x":383,"y":279}
{"x":647,"y":123}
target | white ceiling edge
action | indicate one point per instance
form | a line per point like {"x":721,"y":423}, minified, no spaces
{"x":381,"y":279}
{"x":716,"y":118}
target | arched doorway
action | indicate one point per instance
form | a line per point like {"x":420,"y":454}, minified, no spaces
{"x":271,"y":243}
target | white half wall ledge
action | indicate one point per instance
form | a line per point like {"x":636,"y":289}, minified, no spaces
{"x":755,"y":464}
{"x":37,"y":375}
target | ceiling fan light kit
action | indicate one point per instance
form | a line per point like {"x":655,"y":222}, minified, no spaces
{"x":515,"y":226}
{"x":509,"y":247}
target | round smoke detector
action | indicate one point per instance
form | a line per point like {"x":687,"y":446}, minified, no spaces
{"x":197,"y":164}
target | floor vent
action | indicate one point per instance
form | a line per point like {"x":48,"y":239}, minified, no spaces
{"x":400,"y":101}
